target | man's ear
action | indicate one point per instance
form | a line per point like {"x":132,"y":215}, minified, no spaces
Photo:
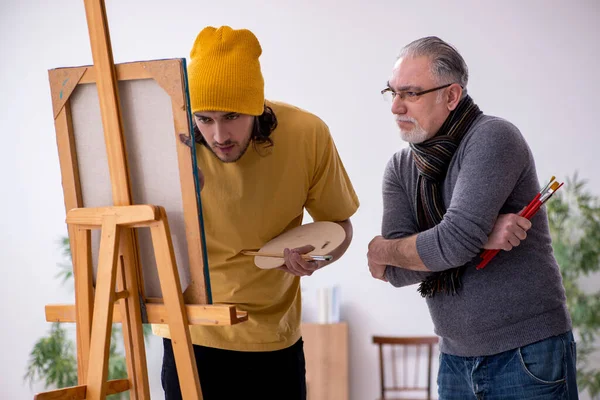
{"x":454,"y":94}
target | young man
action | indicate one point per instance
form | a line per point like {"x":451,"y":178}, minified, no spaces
{"x":264,"y":163}
{"x":505,"y":330}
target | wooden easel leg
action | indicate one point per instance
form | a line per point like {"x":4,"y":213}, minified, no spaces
{"x":173,"y":300}
{"x":103,"y":310}
{"x":132,"y":327}
{"x":84,"y":296}
{"x":110,"y":112}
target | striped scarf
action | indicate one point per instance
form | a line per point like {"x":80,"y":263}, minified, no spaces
{"x":432,"y":158}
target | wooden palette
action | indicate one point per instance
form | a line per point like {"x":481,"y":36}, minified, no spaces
{"x":324,"y":236}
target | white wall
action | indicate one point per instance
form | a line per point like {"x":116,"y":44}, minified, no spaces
{"x":534,"y":63}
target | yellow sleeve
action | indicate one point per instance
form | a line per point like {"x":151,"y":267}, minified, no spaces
{"x":331,"y":196}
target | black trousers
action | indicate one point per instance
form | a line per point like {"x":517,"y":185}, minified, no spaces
{"x":227,"y":374}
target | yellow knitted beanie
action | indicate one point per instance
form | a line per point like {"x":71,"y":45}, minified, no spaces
{"x":224,"y":72}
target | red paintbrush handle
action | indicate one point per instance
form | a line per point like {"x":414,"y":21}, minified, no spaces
{"x":487,"y":257}
{"x":528,"y":212}
{"x":530,"y":205}
{"x":533,"y":211}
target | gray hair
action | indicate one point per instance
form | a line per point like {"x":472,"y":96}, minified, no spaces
{"x":447,"y":65}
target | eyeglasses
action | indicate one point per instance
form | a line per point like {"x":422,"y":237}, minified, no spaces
{"x":389,"y":95}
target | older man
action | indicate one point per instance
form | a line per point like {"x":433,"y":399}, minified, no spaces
{"x":505,"y":330}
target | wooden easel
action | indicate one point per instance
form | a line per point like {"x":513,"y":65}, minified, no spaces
{"x":95,"y":310}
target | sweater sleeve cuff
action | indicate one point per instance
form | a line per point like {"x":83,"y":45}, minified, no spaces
{"x":428,"y":248}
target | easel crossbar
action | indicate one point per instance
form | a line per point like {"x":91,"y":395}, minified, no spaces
{"x":214,"y":314}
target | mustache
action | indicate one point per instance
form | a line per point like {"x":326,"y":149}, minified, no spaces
{"x":405,"y":119}
{"x":224,"y":144}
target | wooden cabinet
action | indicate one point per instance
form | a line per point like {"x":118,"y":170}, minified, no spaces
{"x":326,"y":353}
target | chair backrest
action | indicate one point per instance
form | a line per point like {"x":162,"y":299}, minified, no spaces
{"x":400,"y":359}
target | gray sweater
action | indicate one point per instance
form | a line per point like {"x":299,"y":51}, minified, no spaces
{"x":518,"y":298}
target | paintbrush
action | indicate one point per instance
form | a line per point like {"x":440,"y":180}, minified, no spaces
{"x":308,"y":257}
{"x":529,"y":211}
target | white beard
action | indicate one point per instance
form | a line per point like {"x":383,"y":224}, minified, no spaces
{"x":415,"y":135}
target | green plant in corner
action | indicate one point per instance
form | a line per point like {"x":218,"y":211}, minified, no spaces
{"x":53,"y":358}
{"x":574,"y":217}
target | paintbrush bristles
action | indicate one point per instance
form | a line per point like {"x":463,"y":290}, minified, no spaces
{"x":554,"y":186}
{"x":547,"y":184}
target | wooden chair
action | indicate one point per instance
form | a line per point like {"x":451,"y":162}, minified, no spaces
{"x":406,"y":351}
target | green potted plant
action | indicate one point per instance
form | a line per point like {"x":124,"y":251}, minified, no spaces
{"x":574,"y":217}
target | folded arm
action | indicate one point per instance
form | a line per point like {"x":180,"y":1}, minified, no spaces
{"x":492,"y":163}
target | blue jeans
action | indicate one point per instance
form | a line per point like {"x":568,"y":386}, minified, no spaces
{"x":544,"y":370}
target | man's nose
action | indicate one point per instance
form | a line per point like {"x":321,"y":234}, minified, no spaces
{"x":221,"y":133}
{"x":398,"y":106}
